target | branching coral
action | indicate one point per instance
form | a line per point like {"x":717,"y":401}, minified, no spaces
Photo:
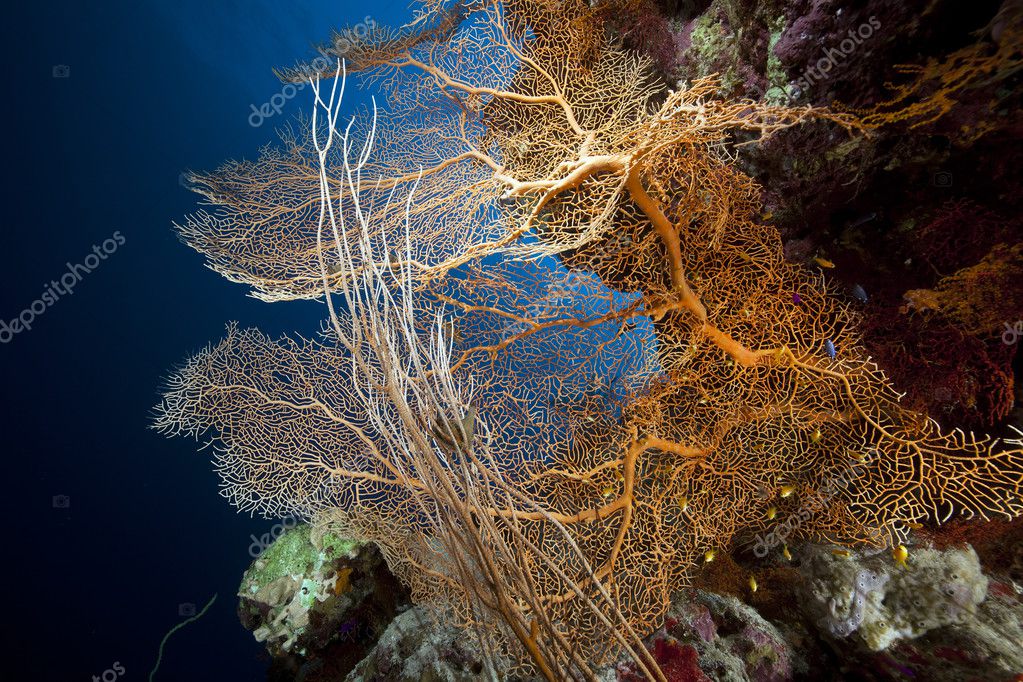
{"x":936,"y":88}
{"x":981,"y":299}
{"x":682,"y":379}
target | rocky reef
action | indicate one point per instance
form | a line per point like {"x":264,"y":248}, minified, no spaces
{"x":416,"y":647}
{"x":318,"y":603}
{"x":882,"y":602}
{"x":329,"y":610}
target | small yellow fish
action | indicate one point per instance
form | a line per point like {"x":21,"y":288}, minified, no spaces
{"x":858,"y":456}
{"x":767,"y":216}
{"x":753,"y":584}
{"x":786,"y":553}
{"x":745,"y":256}
{"x":771,"y":513}
{"x":900,"y":554}
{"x":619,"y":475}
{"x":786,"y":490}
{"x":709,"y":555}
{"x":608,"y":491}
{"x":823,"y":262}
{"x":843,"y":553}
{"x":683,"y":502}
{"x":815,"y":436}
{"x":914,"y":525}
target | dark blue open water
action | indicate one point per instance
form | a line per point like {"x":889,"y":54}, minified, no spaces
{"x":111,"y":527}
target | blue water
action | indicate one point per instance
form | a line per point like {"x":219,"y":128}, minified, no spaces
{"x":153,"y":88}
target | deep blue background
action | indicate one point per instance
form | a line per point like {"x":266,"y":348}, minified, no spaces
{"x":154,"y":88}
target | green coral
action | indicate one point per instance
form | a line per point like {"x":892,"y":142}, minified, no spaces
{"x":296,"y":575}
{"x":778,"y":88}
{"x":713,"y":46}
{"x":294,"y":554}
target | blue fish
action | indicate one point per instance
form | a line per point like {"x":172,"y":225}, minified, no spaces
{"x":830,"y":348}
{"x":859,"y":293}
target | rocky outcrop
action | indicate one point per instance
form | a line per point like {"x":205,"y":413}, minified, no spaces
{"x":318,"y":603}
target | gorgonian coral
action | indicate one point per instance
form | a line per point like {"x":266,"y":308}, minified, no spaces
{"x":632,"y":374}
